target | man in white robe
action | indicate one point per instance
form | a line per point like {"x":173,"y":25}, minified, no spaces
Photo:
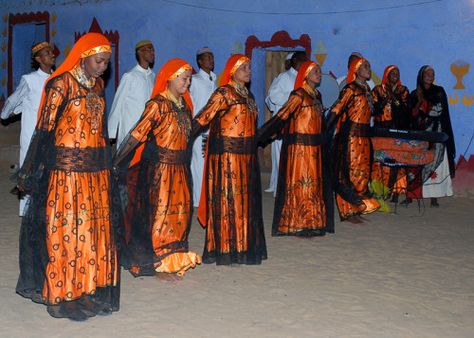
{"x":278,"y":94}
{"x":25,"y":100}
{"x":203,"y":84}
{"x":132,"y":93}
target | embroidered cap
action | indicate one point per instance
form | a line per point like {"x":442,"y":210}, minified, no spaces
{"x":39,"y":46}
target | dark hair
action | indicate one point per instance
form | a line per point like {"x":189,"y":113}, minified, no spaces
{"x":298,"y":58}
{"x":199,"y":57}
{"x":354,"y":55}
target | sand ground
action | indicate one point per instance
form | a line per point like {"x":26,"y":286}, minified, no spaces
{"x":409,"y":274}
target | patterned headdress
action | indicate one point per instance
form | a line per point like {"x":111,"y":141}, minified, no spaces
{"x":303,"y":72}
{"x":233,"y":63}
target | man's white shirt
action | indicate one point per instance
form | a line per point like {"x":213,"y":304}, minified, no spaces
{"x":278,"y":94}
{"x":280,"y":90}
{"x":132,"y":94}
{"x":25,"y":100}
{"x":202,"y":87}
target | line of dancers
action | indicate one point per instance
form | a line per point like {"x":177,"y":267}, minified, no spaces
{"x":90,"y":212}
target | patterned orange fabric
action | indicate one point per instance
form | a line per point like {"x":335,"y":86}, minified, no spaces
{"x":390,"y":111}
{"x":169,"y":71}
{"x":80,"y":249}
{"x":230,"y":206}
{"x":299,"y":205}
{"x":168,"y":183}
{"x":386,"y":100}
{"x":354,"y":111}
{"x":233,"y":63}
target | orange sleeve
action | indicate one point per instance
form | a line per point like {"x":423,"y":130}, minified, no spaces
{"x":147,"y":122}
{"x":55,"y":92}
{"x":216,"y":103}
{"x":341,"y":103}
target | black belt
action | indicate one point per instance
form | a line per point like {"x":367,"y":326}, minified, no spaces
{"x":235,"y":145}
{"x":358,"y":129}
{"x":168,"y":156}
{"x":305,"y":139}
{"x":80,"y":159}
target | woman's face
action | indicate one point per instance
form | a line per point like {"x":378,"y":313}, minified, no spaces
{"x":180,"y":84}
{"x":95,"y":65}
{"x":428,"y":77}
{"x":242,"y":74}
{"x":393,"y":76}
{"x":364,"y":71}
{"x":314,"y":75}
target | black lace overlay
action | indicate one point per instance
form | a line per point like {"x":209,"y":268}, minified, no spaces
{"x":48,"y":166}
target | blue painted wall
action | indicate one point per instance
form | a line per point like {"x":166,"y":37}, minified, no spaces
{"x":408,"y":33}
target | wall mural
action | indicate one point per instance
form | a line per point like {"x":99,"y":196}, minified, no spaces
{"x":460,"y":99}
{"x":460,"y":69}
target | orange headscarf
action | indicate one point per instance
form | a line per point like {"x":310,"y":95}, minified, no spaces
{"x":233,"y":63}
{"x":303,"y":72}
{"x":89,"y":44}
{"x":387,"y":71}
{"x":353,"y":68}
{"x":170,"y":70}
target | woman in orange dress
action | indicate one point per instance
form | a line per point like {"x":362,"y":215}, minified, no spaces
{"x":351,"y":145}
{"x":68,"y":258}
{"x":159,"y":179}
{"x":303,"y":204}
{"x":230,"y":207}
{"x":390,"y":111}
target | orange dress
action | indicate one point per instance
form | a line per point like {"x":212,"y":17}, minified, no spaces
{"x":390,"y":111}
{"x":230,"y":206}
{"x":161,"y":209}
{"x":352,"y":151}
{"x":302,"y":193}
{"x":67,"y":245}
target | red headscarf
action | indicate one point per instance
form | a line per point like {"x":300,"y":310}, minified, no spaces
{"x":233,"y":63}
{"x":89,"y":44}
{"x":387,"y":71}
{"x":353,"y":68}
{"x":170,"y":71}
{"x":303,"y":72}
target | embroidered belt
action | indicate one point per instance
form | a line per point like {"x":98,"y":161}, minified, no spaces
{"x":169,"y":156}
{"x":79,"y":159}
{"x":235,"y":145}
